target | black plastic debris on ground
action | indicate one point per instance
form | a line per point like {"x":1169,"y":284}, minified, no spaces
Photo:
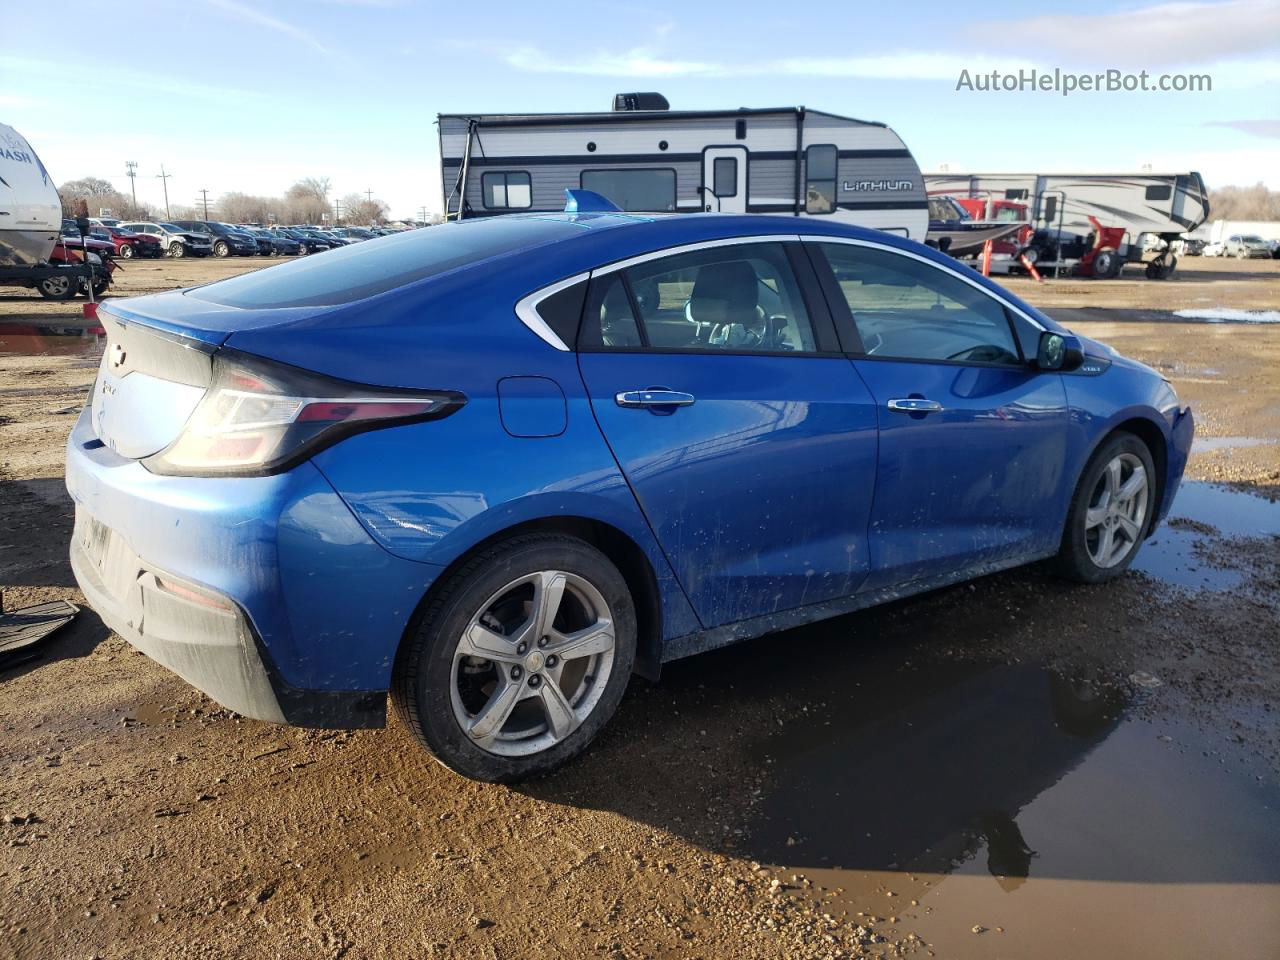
{"x":22,"y":629}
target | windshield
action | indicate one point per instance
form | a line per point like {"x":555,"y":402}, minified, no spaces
{"x":1252,"y":239}
{"x":173,"y":227}
{"x":358,"y":271}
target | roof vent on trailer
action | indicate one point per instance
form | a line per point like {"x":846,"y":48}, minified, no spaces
{"x":640,"y":101}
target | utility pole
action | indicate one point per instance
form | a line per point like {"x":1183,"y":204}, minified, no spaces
{"x":368,"y":194}
{"x":337,"y":211}
{"x":132,"y":167}
{"x":422,"y":214}
{"x":164,"y":179}
{"x":204,"y":200}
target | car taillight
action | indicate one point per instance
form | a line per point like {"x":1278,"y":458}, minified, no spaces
{"x":261,"y":417}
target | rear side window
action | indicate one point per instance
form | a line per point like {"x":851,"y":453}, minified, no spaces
{"x":362,"y":270}
{"x":905,"y":309}
{"x":737,"y":299}
{"x":1159,"y":191}
{"x":610,"y":319}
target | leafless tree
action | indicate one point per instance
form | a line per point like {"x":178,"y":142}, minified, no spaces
{"x":307,"y":201}
{"x":1244,"y":203}
{"x":98,"y":195}
{"x":361,"y":211}
{"x":245,"y":208}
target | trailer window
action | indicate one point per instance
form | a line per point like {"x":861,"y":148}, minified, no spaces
{"x":820,"y":178}
{"x":506,"y":191}
{"x":645,"y":191}
{"x":1159,"y":191}
{"x":725,"y":177}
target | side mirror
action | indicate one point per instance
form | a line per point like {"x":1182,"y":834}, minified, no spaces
{"x":1058,"y":351}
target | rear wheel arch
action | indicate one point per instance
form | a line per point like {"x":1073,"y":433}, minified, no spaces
{"x":622,"y":551}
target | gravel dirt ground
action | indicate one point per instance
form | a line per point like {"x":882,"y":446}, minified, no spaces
{"x":1015,"y":767}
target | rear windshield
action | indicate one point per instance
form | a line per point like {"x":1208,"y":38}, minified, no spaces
{"x":351,"y":273}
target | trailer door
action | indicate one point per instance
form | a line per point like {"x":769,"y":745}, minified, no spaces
{"x":724,"y":179}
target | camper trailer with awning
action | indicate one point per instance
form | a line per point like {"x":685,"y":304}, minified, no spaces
{"x":646,"y":158}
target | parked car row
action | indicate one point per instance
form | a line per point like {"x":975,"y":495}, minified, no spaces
{"x":203,"y":238}
{"x":1247,"y":246}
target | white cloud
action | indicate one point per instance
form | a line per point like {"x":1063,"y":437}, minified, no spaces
{"x":642,"y":62}
{"x":1259,"y":128}
{"x":905,"y":65}
{"x":1151,"y":36}
{"x":250,"y":15}
{"x":123,"y":76}
{"x":638,"y":62}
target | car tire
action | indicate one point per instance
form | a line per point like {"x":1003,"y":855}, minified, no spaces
{"x":58,"y":286}
{"x":494,"y":719}
{"x":1098,"y":517}
{"x":220,"y":249}
{"x":126,"y":251}
{"x":177,"y":250}
{"x":1105,"y":265}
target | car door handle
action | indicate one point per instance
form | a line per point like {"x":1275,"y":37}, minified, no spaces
{"x":655,"y":397}
{"x":915,"y":405}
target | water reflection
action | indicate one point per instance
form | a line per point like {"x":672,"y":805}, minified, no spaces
{"x":40,"y":340}
{"x":925,"y":768}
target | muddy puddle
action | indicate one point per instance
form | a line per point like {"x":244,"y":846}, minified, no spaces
{"x":45,"y":340}
{"x":1214,"y":444}
{"x":1191,"y":548}
{"x":1037,"y":809}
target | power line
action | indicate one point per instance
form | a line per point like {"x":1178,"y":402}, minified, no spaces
{"x":132,"y":167}
{"x":164,"y":179}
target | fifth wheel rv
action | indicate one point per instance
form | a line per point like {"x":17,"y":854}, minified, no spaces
{"x":1072,"y":214}
{"x":649,"y":159}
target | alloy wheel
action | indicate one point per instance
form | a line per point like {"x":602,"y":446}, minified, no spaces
{"x":1117,"y":512}
{"x":533,"y":663}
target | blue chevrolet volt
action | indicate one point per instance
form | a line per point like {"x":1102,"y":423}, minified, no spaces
{"x":493,"y":468}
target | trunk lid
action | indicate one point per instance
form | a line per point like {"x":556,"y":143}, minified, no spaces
{"x":158,"y":364}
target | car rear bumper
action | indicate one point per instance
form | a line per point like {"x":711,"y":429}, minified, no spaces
{"x":263,"y":592}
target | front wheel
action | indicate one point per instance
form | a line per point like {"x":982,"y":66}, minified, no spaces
{"x":177,"y":250}
{"x":1110,"y":511}
{"x":519,"y":659}
{"x":126,"y":251}
{"x":221,"y":249}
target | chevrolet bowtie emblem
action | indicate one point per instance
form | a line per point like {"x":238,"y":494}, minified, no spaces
{"x":117,"y":356}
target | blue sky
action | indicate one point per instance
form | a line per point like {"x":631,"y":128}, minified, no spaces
{"x":251,"y":95}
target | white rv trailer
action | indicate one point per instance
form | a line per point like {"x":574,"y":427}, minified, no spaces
{"x":1165,"y":204}
{"x":789,"y":160}
{"x":30,"y":211}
